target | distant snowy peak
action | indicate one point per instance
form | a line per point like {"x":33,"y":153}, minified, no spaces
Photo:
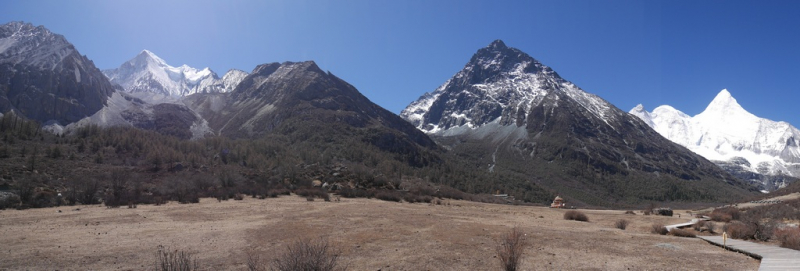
{"x":499,"y":83}
{"x":232,"y":78}
{"x":32,"y":45}
{"x":151,"y":74}
{"x":726,"y":131}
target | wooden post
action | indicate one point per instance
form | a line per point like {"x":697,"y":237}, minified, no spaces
{"x":725,"y":239}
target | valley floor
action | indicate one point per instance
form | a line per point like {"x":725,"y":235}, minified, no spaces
{"x":370,"y":235}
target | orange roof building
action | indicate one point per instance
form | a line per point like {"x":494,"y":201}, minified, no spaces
{"x":558,"y":203}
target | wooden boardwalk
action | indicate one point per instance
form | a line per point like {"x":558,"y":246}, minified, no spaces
{"x":772,"y":257}
{"x":684,"y":225}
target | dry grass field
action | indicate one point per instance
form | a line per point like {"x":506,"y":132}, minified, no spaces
{"x":369,"y":234}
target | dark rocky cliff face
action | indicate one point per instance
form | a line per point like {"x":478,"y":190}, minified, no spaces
{"x":44,"y":78}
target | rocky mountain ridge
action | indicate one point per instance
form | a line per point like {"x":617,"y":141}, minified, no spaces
{"x":43,"y":77}
{"x":511,"y":113}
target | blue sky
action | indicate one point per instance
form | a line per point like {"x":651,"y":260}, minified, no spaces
{"x":680,"y":53}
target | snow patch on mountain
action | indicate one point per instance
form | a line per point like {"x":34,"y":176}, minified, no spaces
{"x":725,"y":131}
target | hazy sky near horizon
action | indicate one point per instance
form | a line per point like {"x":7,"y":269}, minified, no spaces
{"x":680,"y":53}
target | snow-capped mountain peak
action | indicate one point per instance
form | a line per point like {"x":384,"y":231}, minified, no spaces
{"x":499,"y":83}
{"x":725,"y":131}
{"x":725,"y":105}
{"x":149,"y":73}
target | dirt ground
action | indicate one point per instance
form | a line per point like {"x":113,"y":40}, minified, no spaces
{"x":369,"y":234}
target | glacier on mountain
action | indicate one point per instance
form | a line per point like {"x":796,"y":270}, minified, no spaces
{"x":726,"y":132}
{"x":148,"y":73}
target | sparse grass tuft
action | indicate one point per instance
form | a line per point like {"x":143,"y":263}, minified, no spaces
{"x":621,"y":224}
{"x":576,"y":215}
{"x":176,"y":260}
{"x":659,"y":229}
{"x":308,"y":255}
{"x":681,"y":233}
{"x":511,"y":248}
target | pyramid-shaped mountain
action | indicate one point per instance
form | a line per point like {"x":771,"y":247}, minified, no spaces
{"x":147,"y":73}
{"x":511,"y":113}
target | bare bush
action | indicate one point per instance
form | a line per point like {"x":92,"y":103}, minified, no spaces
{"x":739,"y":230}
{"x":703,"y":225}
{"x":175,"y":260}
{"x":681,"y":233}
{"x":575,"y":215}
{"x":388,"y":196}
{"x":308,"y":255}
{"x":789,"y":237}
{"x":313,"y":193}
{"x":255,"y":263}
{"x":649,"y":209}
{"x":725,"y":214}
{"x":629,"y":212}
{"x":621,"y":224}
{"x":511,"y":248}
{"x":355,"y":193}
{"x":659,"y":229}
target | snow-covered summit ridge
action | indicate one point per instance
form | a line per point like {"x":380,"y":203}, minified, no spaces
{"x":149,"y":73}
{"x":498,"y":83}
{"x":22,"y":42}
{"x":725,"y":130}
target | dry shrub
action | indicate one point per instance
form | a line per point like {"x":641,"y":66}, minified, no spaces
{"x":274,"y":193}
{"x":355,"y":193}
{"x":681,"y":233}
{"x":388,"y":196}
{"x":725,"y":214}
{"x":510,"y":249}
{"x":238,"y":196}
{"x":255,"y":263}
{"x":313,"y":193}
{"x":575,"y":215}
{"x":621,"y":224}
{"x":308,"y":255}
{"x":789,"y":237}
{"x":739,"y":230}
{"x":412,"y":198}
{"x":720,"y":217}
{"x":175,"y":260}
{"x":629,"y":212}
{"x":659,"y":229}
{"x":649,"y":209}
{"x":703,"y":225}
